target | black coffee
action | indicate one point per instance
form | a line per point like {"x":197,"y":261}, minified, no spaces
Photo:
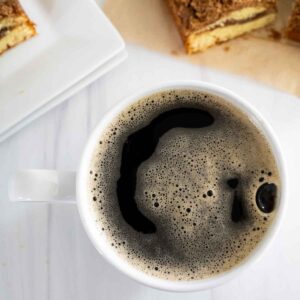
{"x":183,"y":185}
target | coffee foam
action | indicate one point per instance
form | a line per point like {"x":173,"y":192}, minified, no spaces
{"x":182,"y":188}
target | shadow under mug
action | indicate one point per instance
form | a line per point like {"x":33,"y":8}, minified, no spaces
{"x":71,"y":187}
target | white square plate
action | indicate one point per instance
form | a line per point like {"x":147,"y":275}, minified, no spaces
{"x":75,"y":39}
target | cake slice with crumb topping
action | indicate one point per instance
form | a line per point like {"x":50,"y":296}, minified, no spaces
{"x":293,"y":29}
{"x":15,"y":26}
{"x":204,"y":23}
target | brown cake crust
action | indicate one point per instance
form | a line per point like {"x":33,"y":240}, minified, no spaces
{"x":293,"y":29}
{"x":10,"y":8}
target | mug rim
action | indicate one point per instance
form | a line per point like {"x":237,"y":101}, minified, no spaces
{"x":98,"y":239}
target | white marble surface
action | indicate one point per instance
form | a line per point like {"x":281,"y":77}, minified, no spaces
{"x":44,"y":252}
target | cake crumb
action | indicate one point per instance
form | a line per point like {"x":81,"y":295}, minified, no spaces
{"x":275,"y":35}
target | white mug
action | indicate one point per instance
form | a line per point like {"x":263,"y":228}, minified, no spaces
{"x":64,"y":187}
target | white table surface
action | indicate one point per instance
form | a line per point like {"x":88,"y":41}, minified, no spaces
{"x":44,"y":251}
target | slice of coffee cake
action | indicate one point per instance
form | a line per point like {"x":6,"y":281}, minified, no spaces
{"x":293,"y":29}
{"x":204,"y":23}
{"x":15,"y":26}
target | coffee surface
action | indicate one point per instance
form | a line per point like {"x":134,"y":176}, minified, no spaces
{"x":183,"y":185}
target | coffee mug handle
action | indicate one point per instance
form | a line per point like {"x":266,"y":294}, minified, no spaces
{"x":43,"y":186}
